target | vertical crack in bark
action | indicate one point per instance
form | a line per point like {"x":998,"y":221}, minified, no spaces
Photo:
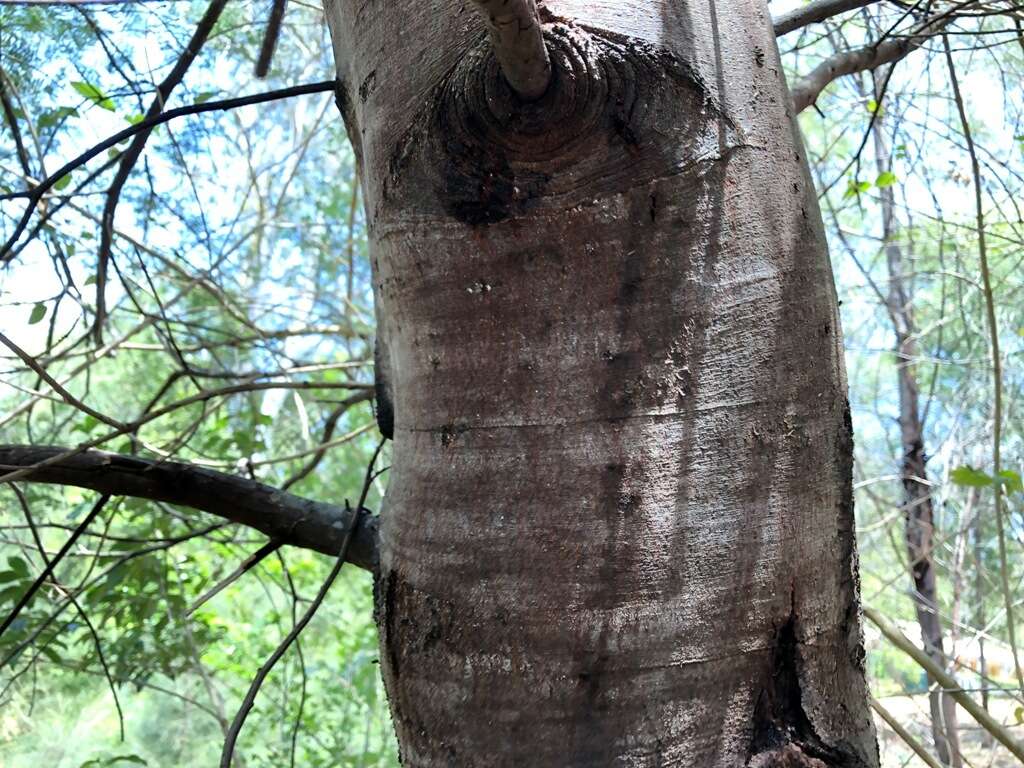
{"x":384,"y":408}
{"x":783,"y":735}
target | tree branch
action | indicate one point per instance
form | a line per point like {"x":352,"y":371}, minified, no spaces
{"x":42,"y":577}
{"x":12,"y":121}
{"x":820,"y":10}
{"x":131,"y":156}
{"x":948,"y":683}
{"x":254,"y":688}
{"x":291,"y":519}
{"x":518,"y":41}
{"x":35,"y":194}
{"x":807,"y":89}
{"x":270,"y":38}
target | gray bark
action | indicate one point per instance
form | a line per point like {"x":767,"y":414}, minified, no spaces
{"x":815,"y":12}
{"x":619,"y":527}
{"x":515,"y":30}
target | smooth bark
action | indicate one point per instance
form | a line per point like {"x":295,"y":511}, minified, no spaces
{"x":619,"y":526}
{"x":815,"y":12}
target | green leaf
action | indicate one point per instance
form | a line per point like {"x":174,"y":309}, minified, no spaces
{"x":38,"y":313}
{"x":885,"y":179}
{"x":874,"y":107}
{"x":134,"y":119}
{"x":94,"y":94}
{"x":970,"y":477}
{"x":855,"y":187}
{"x":1011,"y":481}
{"x":18,"y":565}
{"x":205,"y":96}
{"x":62,"y":182}
{"x":89,"y":423}
{"x":53,"y":116}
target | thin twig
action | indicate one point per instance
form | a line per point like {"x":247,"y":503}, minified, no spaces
{"x":983,"y":718}
{"x":261,"y":675}
{"x":55,"y":385}
{"x":131,"y":155}
{"x":247,"y":565}
{"x":997,"y":366}
{"x":97,"y":643}
{"x":24,"y":600}
{"x":904,"y":734}
{"x":35,"y":194}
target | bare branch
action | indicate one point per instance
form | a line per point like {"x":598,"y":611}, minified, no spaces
{"x":904,"y":734}
{"x":807,"y":89}
{"x":997,"y":364}
{"x":36,"y":193}
{"x":247,"y":565}
{"x":12,"y":122}
{"x":56,"y":385}
{"x":983,"y":718}
{"x":42,"y":577}
{"x":518,"y":41}
{"x":818,"y":11}
{"x":270,"y":38}
{"x":261,"y":675}
{"x":131,"y":155}
{"x":280,"y":515}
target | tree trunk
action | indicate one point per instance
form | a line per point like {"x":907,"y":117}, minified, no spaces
{"x":619,"y":526}
{"x":918,"y":509}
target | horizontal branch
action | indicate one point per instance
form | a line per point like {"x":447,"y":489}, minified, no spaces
{"x":283,"y":516}
{"x":815,"y":12}
{"x":518,"y":41}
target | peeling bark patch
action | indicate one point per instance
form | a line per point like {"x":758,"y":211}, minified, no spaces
{"x":384,"y":607}
{"x":849,"y":560}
